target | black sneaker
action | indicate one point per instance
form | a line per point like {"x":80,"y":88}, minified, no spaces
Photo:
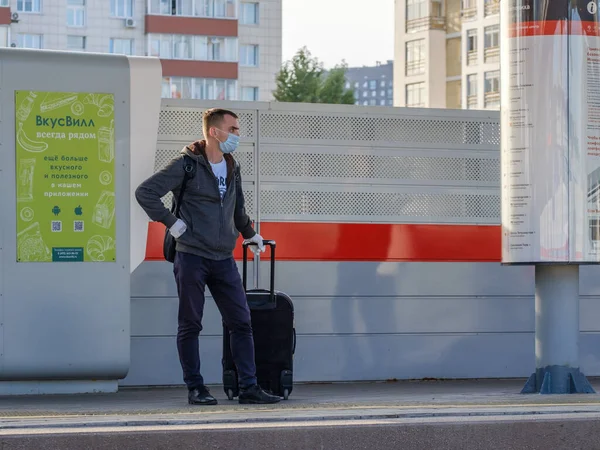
{"x":255,"y":395}
{"x":201,"y":396}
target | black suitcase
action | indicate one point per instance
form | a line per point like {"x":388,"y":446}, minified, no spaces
{"x":272,"y":315}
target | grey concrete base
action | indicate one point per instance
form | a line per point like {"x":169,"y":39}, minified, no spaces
{"x":501,"y":433}
{"x":58,"y":387}
{"x":558,"y":380}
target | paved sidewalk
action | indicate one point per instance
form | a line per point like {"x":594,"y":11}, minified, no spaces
{"x":453,"y":415}
{"x":307,"y":402}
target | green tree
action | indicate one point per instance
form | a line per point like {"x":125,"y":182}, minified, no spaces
{"x":304,"y":80}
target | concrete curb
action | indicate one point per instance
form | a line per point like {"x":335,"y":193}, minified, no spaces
{"x":258,"y":418}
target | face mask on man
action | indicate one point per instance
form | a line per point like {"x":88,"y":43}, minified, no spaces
{"x":230,"y":144}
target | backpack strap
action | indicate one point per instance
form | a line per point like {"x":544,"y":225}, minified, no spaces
{"x":189,"y":170}
{"x":236,"y":170}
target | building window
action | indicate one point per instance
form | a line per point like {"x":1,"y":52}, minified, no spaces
{"x":183,"y":47}
{"x":199,"y":88}
{"x":415,"y":57}
{"x":249,"y":55}
{"x":4,"y":3}
{"x":365,"y":93}
{"x":492,"y":89}
{"x":416,"y":9}
{"x":471,"y":47}
{"x":76,"y":43}
{"x":161,"y":7}
{"x":122,"y":9}
{"x":382,"y":84}
{"x":223,"y":9}
{"x":250,"y":94}
{"x":472,"y":91}
{"x":491,"y":36}
{"x":121,"y":46}
{"x":491,"y":44}
{"x":373,"y":84}
{"x":492,"y":82}
{"x":199,"y":48}
{"x":29,"y":41}
{"x":382,"y":102}
{"x":34,"y":6}
{"x":415,"y":95}
{"x":382,"y":94}
{"x":249,"y":13}
{"x":75,"y":13}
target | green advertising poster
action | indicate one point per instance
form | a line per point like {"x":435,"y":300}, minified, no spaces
{"x":65,"y":162}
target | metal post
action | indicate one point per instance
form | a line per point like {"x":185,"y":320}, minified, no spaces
{"x":557,"y":332}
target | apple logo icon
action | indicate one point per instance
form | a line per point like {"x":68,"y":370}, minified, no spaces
{"x":78,"y":211}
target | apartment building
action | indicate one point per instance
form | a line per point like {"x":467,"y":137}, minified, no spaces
{"x":447,"y":54}
{"x":373,"y":85}
{"x":209,"y":49}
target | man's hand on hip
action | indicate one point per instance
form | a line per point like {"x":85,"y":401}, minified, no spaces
{"x":178,"y":228}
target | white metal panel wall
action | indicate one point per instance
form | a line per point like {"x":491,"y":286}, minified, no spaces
{"x":366,"y":320}
{"x":329,"y":163}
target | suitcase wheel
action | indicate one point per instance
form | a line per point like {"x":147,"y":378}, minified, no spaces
{"x":286,"y":382}
{"x":230,"y":385}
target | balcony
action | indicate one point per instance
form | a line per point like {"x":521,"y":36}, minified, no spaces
{"x":491,"y":7}
{"x":415,"y":67}
{"x":472,"y":102}
{"x":469,"y":13}
{"x":492,"y":99}
{"x":491,"y":55}
{"x":426,"y":23}
{"x":472,"y":58}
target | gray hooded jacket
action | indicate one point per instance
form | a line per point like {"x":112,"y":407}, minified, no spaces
{"x":213,"y":225}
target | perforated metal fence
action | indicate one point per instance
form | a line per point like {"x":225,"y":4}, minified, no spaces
{"x":339,"y":163}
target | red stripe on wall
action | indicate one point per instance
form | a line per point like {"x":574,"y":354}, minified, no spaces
{"x":554,"y":28}
{"x":299,"y":241}
{"x":5,"y":16}
{"x":198,"y":26}
{"x":199,"y":69}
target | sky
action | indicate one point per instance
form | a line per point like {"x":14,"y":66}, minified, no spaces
{"x":359,"y":31}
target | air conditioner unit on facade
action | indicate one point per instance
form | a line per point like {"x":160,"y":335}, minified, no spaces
{"x":14,"y":18}
{"x":129,"y":23}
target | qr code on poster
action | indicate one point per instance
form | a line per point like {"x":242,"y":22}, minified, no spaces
{"x":56,"y":226}
{"x":78,"y":225}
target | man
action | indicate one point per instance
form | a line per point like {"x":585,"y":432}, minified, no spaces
{"x":212,"y":215}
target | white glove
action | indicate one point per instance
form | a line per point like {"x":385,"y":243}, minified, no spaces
{"x":178,"y":228}
{"x":257,"y":239}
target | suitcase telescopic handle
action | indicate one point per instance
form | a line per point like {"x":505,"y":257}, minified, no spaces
{"x":266,"y":242}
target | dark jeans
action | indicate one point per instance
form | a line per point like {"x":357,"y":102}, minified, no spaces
{"x":192,"y":274}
